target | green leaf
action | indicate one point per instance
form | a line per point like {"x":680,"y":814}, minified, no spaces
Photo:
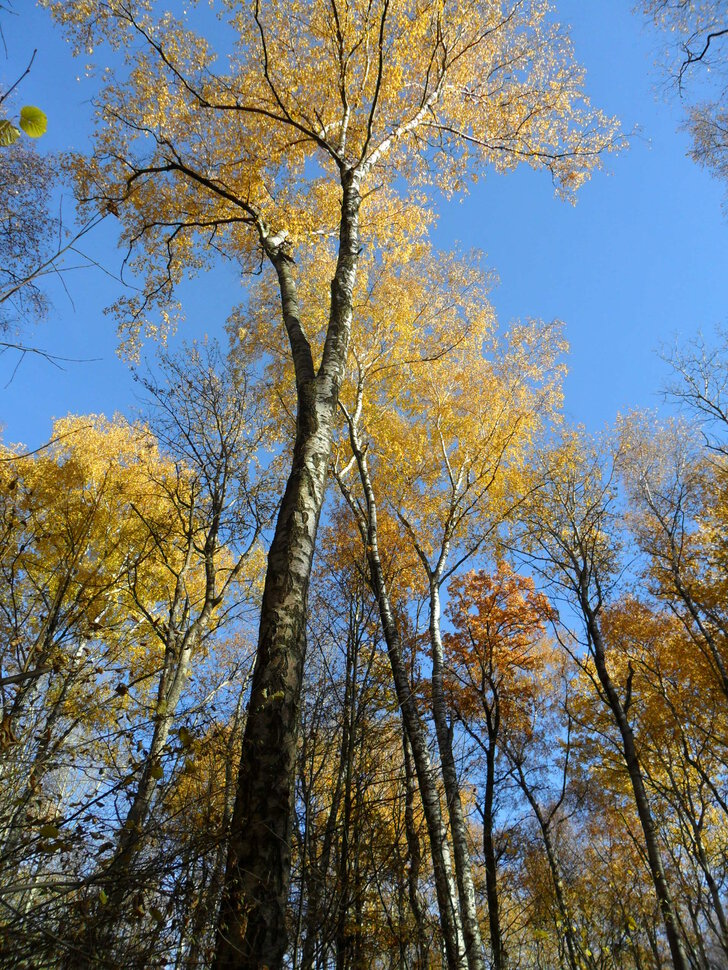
{"x":8,"y":133}
{"x":103,"y":898}
{"x":185,"y":737}
{"x":156,"y":914}
{"x":49,"y":831}
{"x":156,"y":772}
{"x":33,"y":121}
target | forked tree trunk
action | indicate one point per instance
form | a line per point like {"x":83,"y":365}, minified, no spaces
{"x":252,"y":930}
{"x":552,"y":857}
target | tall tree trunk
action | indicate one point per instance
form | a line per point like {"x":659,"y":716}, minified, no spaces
{"x":344,"y":777}
{"x":439,"y":848}
{"x":414,"y":859}
{"x":463,"y":868}
{"x":500,"y":958}
{"x":544,"y":824}
{"x":629,"y":751}
{"x":252,"y":922}
{"x":343,"y":941}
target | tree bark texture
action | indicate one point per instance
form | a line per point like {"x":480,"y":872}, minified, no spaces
{"x":252,"y":930}
{"x":500,"y":957}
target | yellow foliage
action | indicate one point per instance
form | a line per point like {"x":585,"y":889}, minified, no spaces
{"x":404,"y":94}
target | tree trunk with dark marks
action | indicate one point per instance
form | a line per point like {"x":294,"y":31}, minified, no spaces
{"x":414,"y":858}
{"x":252,"y":930}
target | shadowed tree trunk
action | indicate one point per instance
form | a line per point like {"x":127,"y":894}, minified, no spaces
{"x":414,"y":857}
{"x":251,"y":926}
{"x":463,"y":868}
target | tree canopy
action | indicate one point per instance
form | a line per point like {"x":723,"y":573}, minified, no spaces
{"x":350,"y":648}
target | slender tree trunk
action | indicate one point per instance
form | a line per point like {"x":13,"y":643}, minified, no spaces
{"x":713,"y":890}
{"x":440,"y":852}
{"x":629,"y":751}
{"x":500,"y":960}
{"x":696,"y":951}
{"x":414,"y":851}
{"x":252,"y":922}
{"x":696,"y":610}
{"x":172,"y":682}
{"x":544,"y":825}
{"x":695,"y":822}
{"x":342,"y":918}
{"x":319,"y":912}
{"x":463,"y":868}
{"x":201,"y":936}
{"x":117,"y":876}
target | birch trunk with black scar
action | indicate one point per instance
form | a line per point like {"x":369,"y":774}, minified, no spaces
{"x":619,"y":711}
{"x":414,"y":860}
{"x":447,"y":897}
{"x":252,"y":921}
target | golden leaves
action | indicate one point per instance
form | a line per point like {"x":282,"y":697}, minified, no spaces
{"x":499,"y":650}
{"x":405,"y":93}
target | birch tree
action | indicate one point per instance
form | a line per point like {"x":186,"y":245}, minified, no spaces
{"x":321,"y":108}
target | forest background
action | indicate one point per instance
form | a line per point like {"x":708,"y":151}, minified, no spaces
{"x":555,"y":790}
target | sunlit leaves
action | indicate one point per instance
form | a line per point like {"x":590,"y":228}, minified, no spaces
{"x":33,"y":121}
{"x":191,"y":151}
{"x":499,"y":647}
{"x":9,"y":134}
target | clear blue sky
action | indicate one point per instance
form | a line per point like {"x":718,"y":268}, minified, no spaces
{"x":642,"y":259}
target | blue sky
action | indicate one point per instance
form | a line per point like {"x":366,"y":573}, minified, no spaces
{"x":640,"y":261}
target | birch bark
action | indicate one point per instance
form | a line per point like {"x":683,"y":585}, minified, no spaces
{"x":252,"y":921}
